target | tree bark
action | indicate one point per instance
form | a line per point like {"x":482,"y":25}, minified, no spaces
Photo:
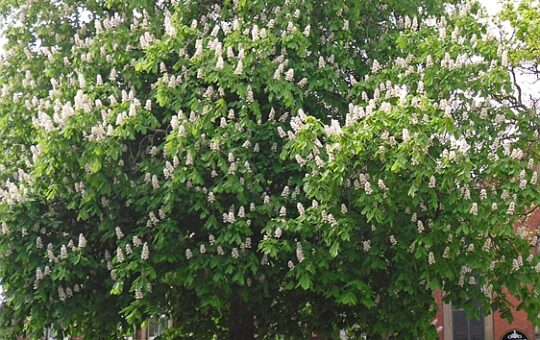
{"x":241,"y":322}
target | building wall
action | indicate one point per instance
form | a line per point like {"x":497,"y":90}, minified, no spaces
{"x":440,"y":315}
{"x":496,"y":326}
{"x":521,"y":323}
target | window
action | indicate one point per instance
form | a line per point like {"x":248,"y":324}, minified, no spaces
{"x":466,"y":329}
{"x":50,"y":334}
{"x":156,"y":327}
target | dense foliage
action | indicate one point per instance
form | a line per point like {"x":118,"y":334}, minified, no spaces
{"x":260,"y":168}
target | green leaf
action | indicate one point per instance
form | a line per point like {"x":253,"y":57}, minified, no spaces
{"x":334,"y":249}
{"x":117,"y":288}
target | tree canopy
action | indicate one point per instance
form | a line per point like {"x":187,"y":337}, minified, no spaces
{"x":261,"y":168}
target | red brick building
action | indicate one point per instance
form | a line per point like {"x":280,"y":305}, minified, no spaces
{"x":454,"y":325}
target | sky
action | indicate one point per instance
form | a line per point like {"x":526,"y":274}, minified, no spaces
{"x":492,"y":6}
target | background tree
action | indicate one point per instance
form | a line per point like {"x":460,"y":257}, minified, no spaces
{"x":521,"y":23}
{"x":269,"y":168}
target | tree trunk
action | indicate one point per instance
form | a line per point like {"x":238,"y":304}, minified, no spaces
{"x":241,"y":323}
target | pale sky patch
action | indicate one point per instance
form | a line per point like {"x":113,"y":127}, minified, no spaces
{"x":492,"y":6}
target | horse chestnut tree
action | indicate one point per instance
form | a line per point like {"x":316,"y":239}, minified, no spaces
{"x":260,"y":169}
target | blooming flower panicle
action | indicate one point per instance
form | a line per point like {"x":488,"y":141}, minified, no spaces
{"x":82,"y":241}
{"x":299,"y":252}
{"x":145,"y":253}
